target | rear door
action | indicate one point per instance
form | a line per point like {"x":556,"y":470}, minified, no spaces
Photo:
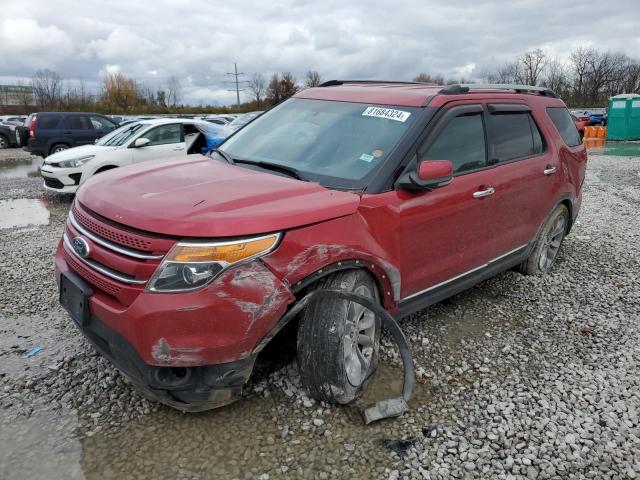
{"x":79,"y":130}
{"x":165,"y":141}
{"x":525,"y":175}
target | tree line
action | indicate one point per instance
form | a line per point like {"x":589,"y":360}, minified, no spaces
{"x":586,"y":79}
{"x":120,"y":94}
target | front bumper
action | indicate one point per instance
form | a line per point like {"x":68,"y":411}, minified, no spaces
{"x":207,"y":337}
{"x":190,"y":389}
{"x":62,"y":180}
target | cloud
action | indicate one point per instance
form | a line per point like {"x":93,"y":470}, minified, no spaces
{"x":155,"y":39}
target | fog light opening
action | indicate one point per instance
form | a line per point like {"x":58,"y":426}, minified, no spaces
{"x":173,"y":376}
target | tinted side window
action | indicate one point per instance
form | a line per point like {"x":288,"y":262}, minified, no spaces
{"x":101,"y":123}
{"x":48,"y":122}
{"x":77,"y":122}
{"x":165,"y":134}
{"x":566,"y":127}
{"x":461,"y":142}
{"x":514,"y":135}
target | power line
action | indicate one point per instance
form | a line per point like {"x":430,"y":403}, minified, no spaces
{"x":237,"y":82}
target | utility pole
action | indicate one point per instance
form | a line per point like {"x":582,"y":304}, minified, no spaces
{"x":237,"y":82}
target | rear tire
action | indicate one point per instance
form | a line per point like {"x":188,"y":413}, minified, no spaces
{"x":4,"y":142}
{"x":58,"y":147}
{"x":338,"y":340}
{"x":547,"y":244}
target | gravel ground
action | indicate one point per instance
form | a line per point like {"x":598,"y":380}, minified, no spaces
{"x":519,"y":377}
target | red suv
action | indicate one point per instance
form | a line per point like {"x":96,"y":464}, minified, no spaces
{"x":180,"y":271}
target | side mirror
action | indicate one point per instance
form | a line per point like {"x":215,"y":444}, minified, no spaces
{"x":429,"y":175}
{"x":141,"y":142}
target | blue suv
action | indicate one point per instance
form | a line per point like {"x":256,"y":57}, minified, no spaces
{"x":52,"y":132}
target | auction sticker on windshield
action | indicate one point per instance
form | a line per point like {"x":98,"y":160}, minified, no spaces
{"x":388,"y":113}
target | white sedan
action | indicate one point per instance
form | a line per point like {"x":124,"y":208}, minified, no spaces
{"x":135,"y":142}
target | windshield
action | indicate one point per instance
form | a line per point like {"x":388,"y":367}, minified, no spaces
{"x":333,"y":143}
{"x":244,"y":119}
{"x":120,"y":136}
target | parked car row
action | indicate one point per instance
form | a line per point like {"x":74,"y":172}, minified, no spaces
{"x":592,"y":117}
{"x":67,"y":168}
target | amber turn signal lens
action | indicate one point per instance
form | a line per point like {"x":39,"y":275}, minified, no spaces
{"x":222,"y":252}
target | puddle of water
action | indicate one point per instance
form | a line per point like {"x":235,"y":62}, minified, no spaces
{"x":24,"y":167}
{"x":41,"y":446}
{"x":598,"y":146}
{"x":23,"y":212}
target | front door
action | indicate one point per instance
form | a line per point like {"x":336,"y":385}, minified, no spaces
{"x":164,"y":141}
{"x":444,"y":233}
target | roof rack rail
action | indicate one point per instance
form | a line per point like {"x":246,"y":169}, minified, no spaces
{"x":466,"y":87}
{"x":333,"y":83}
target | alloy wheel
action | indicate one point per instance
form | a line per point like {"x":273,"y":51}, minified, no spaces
{"x":359,"y":338}
{"x":552,"y":244}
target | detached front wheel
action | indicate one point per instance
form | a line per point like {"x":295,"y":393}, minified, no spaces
{"x":338,"y":340}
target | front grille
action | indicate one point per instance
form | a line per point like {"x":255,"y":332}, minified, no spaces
{"x":110,"y":233}
{"x":89,"y":276}
{"x":53,"y":182}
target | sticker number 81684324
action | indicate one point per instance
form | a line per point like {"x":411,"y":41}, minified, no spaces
{"x":388,"y":113}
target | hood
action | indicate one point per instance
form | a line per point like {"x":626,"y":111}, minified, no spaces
{"x":76,"y":152}
{"x":197,"y":196}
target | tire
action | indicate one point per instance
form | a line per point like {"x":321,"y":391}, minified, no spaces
{"x":336,"y":363}
{"x":4,"y":142}
{"x":547,"y":244}
{"x":58,"y":147}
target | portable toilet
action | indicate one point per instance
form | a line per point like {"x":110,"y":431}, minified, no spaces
{"x":624,"y":117}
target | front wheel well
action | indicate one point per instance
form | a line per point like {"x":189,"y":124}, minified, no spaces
{"x":567,"y":203}
{"x":105,"y":168}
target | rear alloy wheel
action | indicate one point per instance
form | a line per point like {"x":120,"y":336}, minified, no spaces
{"x":548,"y":243}
{"x":338,"y":340}
{"x":59,"y":148}
{"x":4,"y":143}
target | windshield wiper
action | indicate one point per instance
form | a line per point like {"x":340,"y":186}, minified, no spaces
{"x":276,"y":167}
{"x":228,"y":158}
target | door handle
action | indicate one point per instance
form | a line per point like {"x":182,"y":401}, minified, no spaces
{"x":550,"y":170}
{"x":177,"y":149}
{"x":484,"y":193}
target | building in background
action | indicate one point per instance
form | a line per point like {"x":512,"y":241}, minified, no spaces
{"x":16,"y":99}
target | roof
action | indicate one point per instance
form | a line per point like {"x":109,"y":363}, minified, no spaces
{"x":413,"y":94}
{"x":384,"y":93}
{"x":162,"y":121}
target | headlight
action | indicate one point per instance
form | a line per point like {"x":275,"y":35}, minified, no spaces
{"x":74,"y":162}
{"x":190,"y":265}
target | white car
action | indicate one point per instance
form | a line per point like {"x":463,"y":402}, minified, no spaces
{"x":132,"y":143}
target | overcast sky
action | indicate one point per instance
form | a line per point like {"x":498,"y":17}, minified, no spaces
{"x":199,"y":40}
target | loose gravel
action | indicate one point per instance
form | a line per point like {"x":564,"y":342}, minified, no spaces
{"x":519,"y":377}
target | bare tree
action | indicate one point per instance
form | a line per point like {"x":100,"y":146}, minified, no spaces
{"x":424,"y":77}
{"x":274,"y":92}
{"x":288,"y":85}
{"x":257,"y":87}
{"x":530,"y":67}
{"x":47,"y":89}
{"x":312,"y":79}
{"x":557,"y":77}
{"x":174,"y":91}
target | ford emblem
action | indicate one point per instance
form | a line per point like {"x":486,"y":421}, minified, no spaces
{"x":81,"y":247}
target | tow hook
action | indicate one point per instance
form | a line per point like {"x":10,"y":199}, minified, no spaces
{"x":391,"y":407}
